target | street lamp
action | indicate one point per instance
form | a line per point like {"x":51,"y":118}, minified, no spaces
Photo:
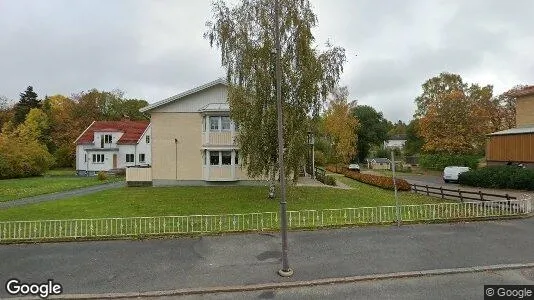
{"x":285,"y":271}
{"x":311,"y":141}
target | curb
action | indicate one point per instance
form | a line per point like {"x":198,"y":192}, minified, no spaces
{"x":292,"y":284}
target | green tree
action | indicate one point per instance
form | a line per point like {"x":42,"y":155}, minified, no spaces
{"x":372,"y":130}
{"x":414,"y":143}
{"x":399,"y":128}
{"x":36,"y":127}
{"x":6,"y":111}
{"x":340,"y":126}
{"x":28,"y":100}
{"x":245,"y":35}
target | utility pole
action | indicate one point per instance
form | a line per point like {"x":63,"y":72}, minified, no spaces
{"x":397,"y":208}
{"x":285,"y":271}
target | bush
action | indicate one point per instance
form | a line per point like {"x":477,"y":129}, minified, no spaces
{"x":501,"y":177}
{"x":329,"y":180}
{"x":102,"y":176}
{"x":21,"y":157}
{"x":440,"y":161}
{"x":374,"y":180}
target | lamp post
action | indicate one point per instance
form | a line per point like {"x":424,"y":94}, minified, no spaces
{"x":311,"y":141}
{"x":285,"y":271}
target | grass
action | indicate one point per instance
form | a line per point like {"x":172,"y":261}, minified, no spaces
{"x":53,"y":181}
{"x":167,"y":201}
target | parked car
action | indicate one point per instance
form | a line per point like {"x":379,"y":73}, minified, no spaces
{"x":354,"y":167}
{"x":453,"y":172}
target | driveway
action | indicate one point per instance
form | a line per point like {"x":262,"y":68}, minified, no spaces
{"x":241,"y":259}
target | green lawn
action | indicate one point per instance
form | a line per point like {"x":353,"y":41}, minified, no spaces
{"x":166,"y":201}
{"x":53,"y":181}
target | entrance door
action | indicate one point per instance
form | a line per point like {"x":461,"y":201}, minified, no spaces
{"x":114,"y":161}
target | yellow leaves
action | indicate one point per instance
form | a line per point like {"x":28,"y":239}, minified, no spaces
{"x":341,"y":126}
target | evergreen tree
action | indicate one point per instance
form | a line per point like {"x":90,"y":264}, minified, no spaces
{"x":28,"y":100}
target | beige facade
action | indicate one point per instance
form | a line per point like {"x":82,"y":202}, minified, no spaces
{"x":525,"y":111}
{"x":193,"y":138}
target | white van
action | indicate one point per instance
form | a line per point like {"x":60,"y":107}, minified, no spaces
{"x":452,"y":173}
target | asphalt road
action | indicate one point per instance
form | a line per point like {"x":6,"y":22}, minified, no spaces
{"x":139,"y":266}
{"x":453,"y":286}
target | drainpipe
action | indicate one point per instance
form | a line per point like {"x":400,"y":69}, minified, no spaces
{"x":176,"y":157}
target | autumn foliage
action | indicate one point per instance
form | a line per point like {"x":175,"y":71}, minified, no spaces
{"x":374,"y":180}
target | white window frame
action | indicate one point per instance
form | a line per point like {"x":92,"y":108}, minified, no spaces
{"x":98,"y":158}
{"x":144,"y":158}
{"x":218,"y":123}
{"x":147,"y":139}
{"x":106,"y":140}
{"x":128,"y":156}
{"x":221,"y":154}
{"x":229,"y":123}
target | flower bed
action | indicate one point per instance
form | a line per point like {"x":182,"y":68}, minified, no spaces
{"x":374,"y":180}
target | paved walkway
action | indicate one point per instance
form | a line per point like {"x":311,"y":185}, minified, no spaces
{"x":308,"y":181}
{"x":241,"y":259}
{"x":61,"y":195}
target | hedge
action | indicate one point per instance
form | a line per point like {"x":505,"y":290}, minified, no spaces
{"x":501,"y":177}
{"x":374,"y":180}
{"x":440,"y":161}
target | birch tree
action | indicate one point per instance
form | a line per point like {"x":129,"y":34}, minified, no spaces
{"x":244,"y":33}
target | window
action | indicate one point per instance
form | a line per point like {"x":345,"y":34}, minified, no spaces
{"x":236,"y":160}
{"x":227,"y":158}
{"x":98,"y":158}
{"x":142,"y":158}
{"x":214,"y":123}
{"x":147,"y":139}
{"x":85,"y":157}
{"x":214,"y":158}
{"x":236,"y":127}
{"x":107,"y":138}
{"x":225,"y":123}
{"x":130,"y":158}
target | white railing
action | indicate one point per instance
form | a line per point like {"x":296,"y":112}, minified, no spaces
{"x":194,"y":224}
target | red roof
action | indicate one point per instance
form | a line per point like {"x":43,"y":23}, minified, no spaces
{"x":526,"y":91}
{"x":133,"y":130}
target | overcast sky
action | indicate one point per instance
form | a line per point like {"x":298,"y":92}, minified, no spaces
{"x":154,"y":49}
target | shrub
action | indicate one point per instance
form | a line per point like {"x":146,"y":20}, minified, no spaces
{"x":374,"y":180}
{"x":379,"y":181}
{"x":21,"y":157}
{"x":440,"y":161}
{"x":503,"y":177}
{"x":102,"y":176}
{"x":329,"y":180}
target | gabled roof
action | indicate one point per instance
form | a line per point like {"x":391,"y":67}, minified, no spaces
{"x":519,"y":130}
{"x":526,"y":91}
{"x":132,"y":131}
{"x":380,"y":160}
{"x":184,"y":94}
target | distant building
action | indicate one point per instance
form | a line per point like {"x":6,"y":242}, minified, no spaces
{"x":397,"y":141}
{"x":515,"y":145}
{"x":111,"y":145}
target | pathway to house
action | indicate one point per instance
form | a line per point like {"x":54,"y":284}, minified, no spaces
{"x":204,"y":262}
{"x":61,"y":195}
{"x":308,"y":181}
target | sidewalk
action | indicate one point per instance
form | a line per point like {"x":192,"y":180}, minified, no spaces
{"x":241,"y":259}
{"x":61,"y":195}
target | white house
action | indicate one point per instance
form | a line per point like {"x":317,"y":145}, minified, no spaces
{"x":111,"y":145}
{"x":396,"y":141}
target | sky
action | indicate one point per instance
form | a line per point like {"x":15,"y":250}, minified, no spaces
{"x":153,"y":49}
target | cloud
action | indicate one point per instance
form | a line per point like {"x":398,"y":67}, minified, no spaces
{"x":154,"y":49}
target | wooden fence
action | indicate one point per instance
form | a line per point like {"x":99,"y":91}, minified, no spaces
{"x":462,"y":195}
